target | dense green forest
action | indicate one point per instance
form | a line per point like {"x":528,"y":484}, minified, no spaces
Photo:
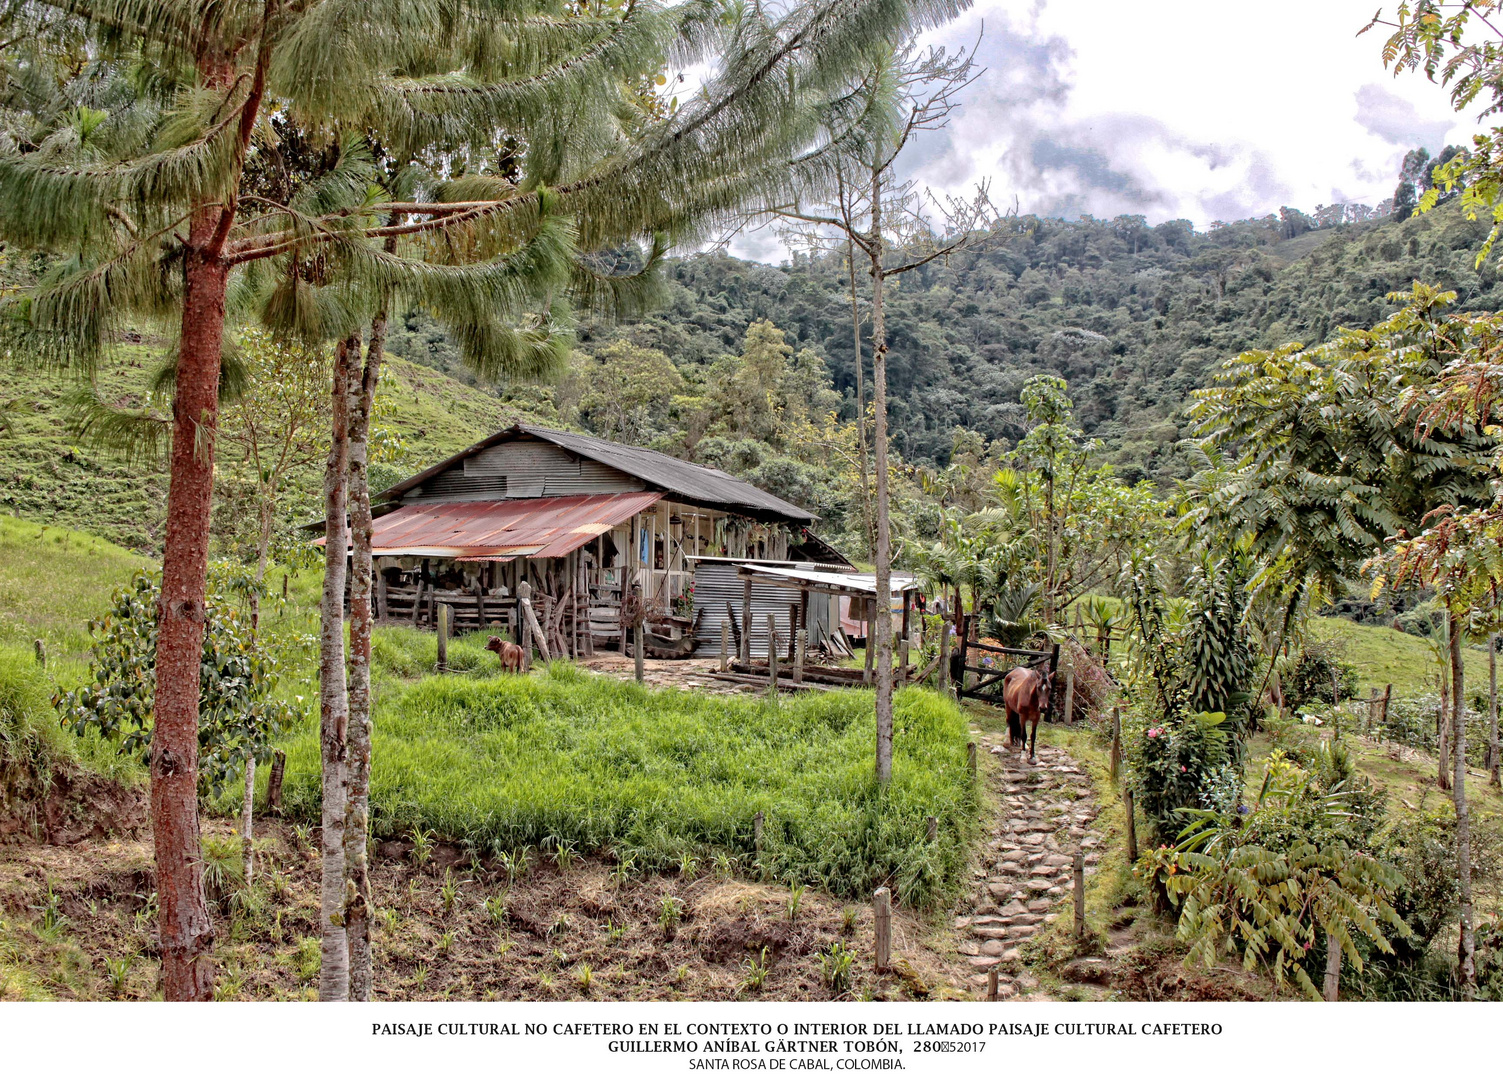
{"x":1133,"y":316}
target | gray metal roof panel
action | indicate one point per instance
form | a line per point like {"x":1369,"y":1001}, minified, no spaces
{"x":695,"y":483}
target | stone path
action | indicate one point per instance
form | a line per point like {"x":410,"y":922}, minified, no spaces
{"x":1044,"y":815}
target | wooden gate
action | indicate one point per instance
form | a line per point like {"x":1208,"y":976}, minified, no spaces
{"x":976,"y":657}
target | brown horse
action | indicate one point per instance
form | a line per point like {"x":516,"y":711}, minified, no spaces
{"x":509,"y":654}
{"x":1025,"y":693}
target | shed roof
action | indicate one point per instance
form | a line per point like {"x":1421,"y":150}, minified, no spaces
{"x":825,"y":581}
{"x":504,"y":528}
{"x":693,"y":483}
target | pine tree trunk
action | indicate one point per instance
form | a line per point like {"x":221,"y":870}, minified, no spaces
{"x":185,"y":929}
{"x":334,"y":718}
{"x":247,"y":820}
{"x":357,"y":813}
{"x":882,"y":625}
{"x":1466,"y":947}
{"x":866,"y":483}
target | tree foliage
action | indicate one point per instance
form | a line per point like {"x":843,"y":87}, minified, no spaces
{"x":239,"y":712}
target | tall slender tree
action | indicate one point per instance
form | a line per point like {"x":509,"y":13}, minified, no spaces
{"x":902,"y":91}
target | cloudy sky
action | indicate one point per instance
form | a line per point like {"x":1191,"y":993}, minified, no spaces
{"x":1198,"y":109}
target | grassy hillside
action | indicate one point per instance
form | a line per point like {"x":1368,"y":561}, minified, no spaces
{"x":47,"y":476}
{"x":1383,"y":655}
{"x":53,"y":580}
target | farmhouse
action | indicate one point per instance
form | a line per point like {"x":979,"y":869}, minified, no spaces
{"x":583,"y":521}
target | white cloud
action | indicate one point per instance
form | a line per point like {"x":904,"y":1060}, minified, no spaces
{"x":1178,"y":109}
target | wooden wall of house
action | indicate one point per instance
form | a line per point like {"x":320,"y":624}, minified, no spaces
{"x":522,"y":469}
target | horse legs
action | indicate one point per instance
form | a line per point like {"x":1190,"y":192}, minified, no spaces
{"x":1014,"y":729}
{"x":1033,"y":738}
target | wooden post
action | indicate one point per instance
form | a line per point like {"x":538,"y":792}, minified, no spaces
{"x":942,"y":674}
{"x":1132,"y":826}
{"x":725,"y":646}
{"x":746,"y":623}
{"x":639,"y":651}
{"x":1116,"y":742}
{"x":869,"y":610}
{"x":931,"y":824}
{"x":1079,"y":895}
{"x":757,"y":821}
{"x":1070,"y":696}
{"x":730,"y":620}
{"x":792,"y":630}
{"x":882,"y":909}
{"x":904,"y":636}
{"x":284,"y":588}
{"x":1333,"y":969}
{"x":381,"y":608}
{"x":545,"y":635}
{"x":801,"y":645}
{"x":39,"y":647}
{"x":1492,"y":707}
{"x":1383,"y":709}
{"x":443,"y":636}
{"x":417,"y":604}
{"x":274,"y":784}
{"x":970,"y":759}
{"x":772,"y":657}
{"x":991,"y":983}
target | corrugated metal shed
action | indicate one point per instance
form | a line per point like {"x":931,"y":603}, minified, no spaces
{"x":537,"y":528}
{"x":717,"y":581}
{"x":691,"y":483}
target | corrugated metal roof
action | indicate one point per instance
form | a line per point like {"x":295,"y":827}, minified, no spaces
{"x":693,"y":483}
{"x":538,"y":528}
{"x":826,"y":581}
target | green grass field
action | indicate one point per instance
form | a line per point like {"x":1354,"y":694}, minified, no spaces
{"x":52,"y":581}
{"x":509,"y":762}
{"x":1383,"y":655}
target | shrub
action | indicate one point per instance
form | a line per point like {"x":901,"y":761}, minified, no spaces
{"x":1319,"y":674}
{"x":237,"y":713}
{"x":1283,"y":883}
{"x":1182,"y":765}
{"x":1411,"y":721}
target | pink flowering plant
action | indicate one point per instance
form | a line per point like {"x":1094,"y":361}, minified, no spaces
{"x":1181,"y":765}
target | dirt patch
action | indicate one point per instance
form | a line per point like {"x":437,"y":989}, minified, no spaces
{"x":457,"y":929}
{"x":77,"y":806}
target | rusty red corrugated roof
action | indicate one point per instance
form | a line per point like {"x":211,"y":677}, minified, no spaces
{"x":505,"y":528}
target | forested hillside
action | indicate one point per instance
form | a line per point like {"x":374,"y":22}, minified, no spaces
{"x":1133,"y":316}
